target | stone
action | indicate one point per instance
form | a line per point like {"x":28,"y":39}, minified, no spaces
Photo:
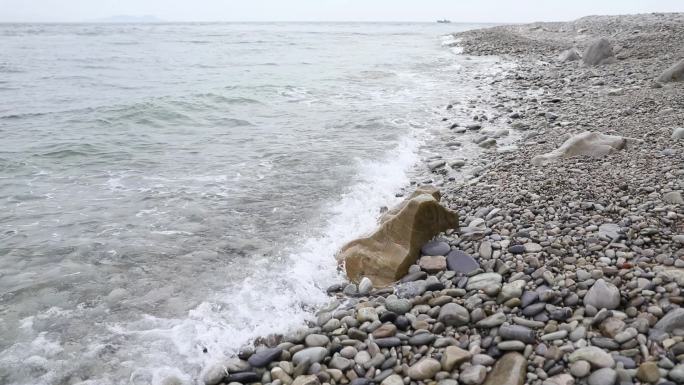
{"x":592,"y":144}
{"x":603,"y":295}
{"x":280,"y":374}
{"x":243,"y":377}
{"x":397,"y":305}
{"x":453,"y":357}
{"x":678,"y":133}
{"x":461,"y":262}
{"x":424,"y":369}
{"x":677,"y":374}
{"x":648,"y":372}
{"x":569,"y":55}
{"x":315,"y":354}
{"x":316,"y":340}
{"x":674,"y":319}
{"x":580,"y":369}
{"x":485,"y":250}
{"x":365,"y":286}
{"x":673,"y":197}
{"x":532,"y":247}
{"x":264,"y":357}
{"x":214,"y":374}
{"x":388,"y":342}
{"x":518,"y":333}
{"x":394,"y":379}
{"x":485,"y":281}
{"x":385,"y":330}
{"x":510,"y":345}
{"x":598,"y":52}
{"x":597,"y":357}
{"x":435,"y":248}
{"x":605,"y":376}
{"x":366,"y":314}
{"x":511,"y":290}
{"x":453,"y":314}
{"x":492,"y":321}
{"x":310,"y":379}
{"x":472,"y":375}
{"x":609,"y":230}
{"x":420,"y":339}
{"x":385,"y":256}
{"x":673,"y":74}
{"x":433,"y":264}
{"x":340,"y":363}
{"x":510,"y":369}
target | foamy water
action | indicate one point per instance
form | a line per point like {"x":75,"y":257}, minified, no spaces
{"x":171,"y":189}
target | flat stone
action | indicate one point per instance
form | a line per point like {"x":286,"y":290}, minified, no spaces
{"x":453,"y":314}
{"x":453,"y":357}
{"x":598,"y":358}
{"x":580,"y":369}
{"x":518,"y":333}
{"x":531,"y":247}
{"x":510,"y":369}
{"x":315,"y":354}
{"x":397,"y":305}
{"x":648,"y":372}
{"x":366,"y":314}
{"x":316,"y":340}
{"x":461,"y":262}
{"x":424,"y":369}
{"x":435,"y":248}
{"x":492,"y":321}
{"x":422,"y":339}
{"x":340,"y":363}
{"x":264,"y":357}
{"x":394,"y":379}
{"x":310,"y":379}
{"x":603,"y":295}
{"x":385,"y":330}
{"x":388,"y":342}
{"x":485,"y":281}
{"x":433,"y":264}
{"x":472,"y":375}
{"x":605,"y":376}
{"x":674,"y":319}
{"x":516,"y":249}
{"x":677,"y":374}
{"x":243,"y":377}
{"x":511,"y":345}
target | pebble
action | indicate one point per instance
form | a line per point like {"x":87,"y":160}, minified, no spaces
{"x":605,"y":376}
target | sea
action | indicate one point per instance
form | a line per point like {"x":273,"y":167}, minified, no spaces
{"x":170,"y":192}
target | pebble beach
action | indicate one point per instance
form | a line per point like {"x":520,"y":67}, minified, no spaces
{"x":565,"y":268}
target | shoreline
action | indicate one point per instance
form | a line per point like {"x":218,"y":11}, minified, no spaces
{"x":580,"y":261}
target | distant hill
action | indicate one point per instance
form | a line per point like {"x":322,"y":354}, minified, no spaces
{"x":129,"y":19}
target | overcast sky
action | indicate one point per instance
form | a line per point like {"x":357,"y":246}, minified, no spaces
{"x":328,"y":10}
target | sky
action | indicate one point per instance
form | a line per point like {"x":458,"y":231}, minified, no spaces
{"x":498,"y":11}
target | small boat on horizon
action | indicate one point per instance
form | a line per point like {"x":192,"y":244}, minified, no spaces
{"x":444,"y":21}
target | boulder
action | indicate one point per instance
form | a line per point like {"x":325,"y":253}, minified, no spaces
{"x":598,"y":53}
{"x":673,"y":74}
{"x":587,"y":143}
{"x":511,"y":369}
{"x":569,"y":55}
{"x":386,"y":255}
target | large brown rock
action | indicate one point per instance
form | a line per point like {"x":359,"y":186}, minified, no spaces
{"x":386,"y":255}
{"x":511,"y":369}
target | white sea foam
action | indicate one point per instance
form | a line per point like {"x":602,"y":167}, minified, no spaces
{"x":283,"y":298}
